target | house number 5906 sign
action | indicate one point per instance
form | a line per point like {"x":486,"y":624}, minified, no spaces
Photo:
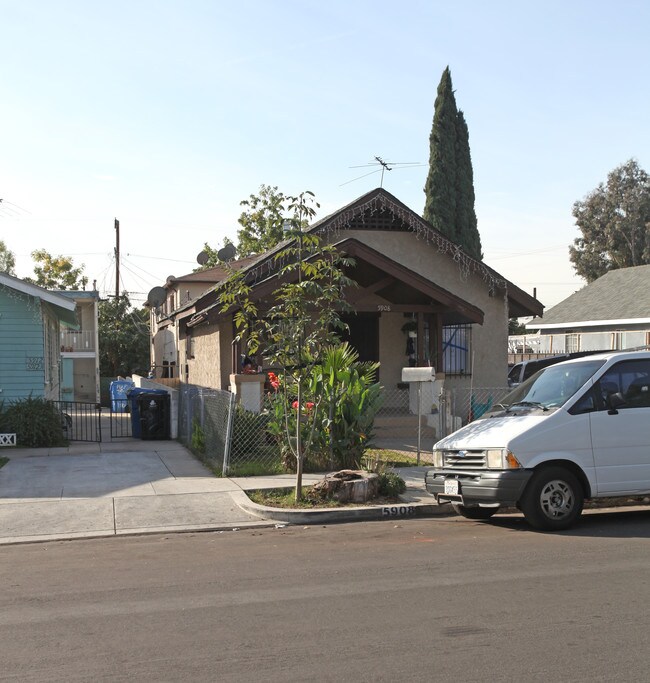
{"x":385,"y":308}
{"x":398,"y":511}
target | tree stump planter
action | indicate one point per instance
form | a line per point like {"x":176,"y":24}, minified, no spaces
{"x":347,"y":486}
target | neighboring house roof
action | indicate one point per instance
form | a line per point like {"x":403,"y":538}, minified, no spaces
{"x":63,"y":307}
{"x":78,"y":293}
{"x":211,"y":275}
{"x":393,"y":215}
{"x":619,"y":297}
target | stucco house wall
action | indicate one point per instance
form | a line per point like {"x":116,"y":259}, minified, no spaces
{"x":489,"y":340}
{"x":210,"y":364}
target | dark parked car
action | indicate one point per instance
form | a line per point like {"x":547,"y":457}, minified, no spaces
{"x":527,"y":368}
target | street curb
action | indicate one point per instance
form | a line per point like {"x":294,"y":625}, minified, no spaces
{"x":404,"y":509}
{"x":131,"y":533}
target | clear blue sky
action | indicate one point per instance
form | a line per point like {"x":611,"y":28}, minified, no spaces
{"x":166,"y":114}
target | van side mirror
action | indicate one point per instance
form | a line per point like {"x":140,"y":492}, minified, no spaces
{"x":614,"y":401}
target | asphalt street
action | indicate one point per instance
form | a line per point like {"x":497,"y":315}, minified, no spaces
{"x":442,"y":599}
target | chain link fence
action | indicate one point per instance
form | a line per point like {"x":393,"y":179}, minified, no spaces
{"x":238,"y":442}
{"x":205,"y":423}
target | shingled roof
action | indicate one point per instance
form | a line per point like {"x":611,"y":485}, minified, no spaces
{"x":619,"y":296}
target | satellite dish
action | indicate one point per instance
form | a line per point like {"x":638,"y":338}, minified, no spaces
{"x":202,"y":258}
{"x":227,"y":253}
{"x":157,"y":296}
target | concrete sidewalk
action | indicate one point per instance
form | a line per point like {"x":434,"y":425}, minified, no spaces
{"x":135,"y":487}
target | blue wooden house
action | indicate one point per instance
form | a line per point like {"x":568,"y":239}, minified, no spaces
{"x":30,"y":332}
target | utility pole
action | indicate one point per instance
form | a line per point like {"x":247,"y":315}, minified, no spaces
{"x":117,"y":259}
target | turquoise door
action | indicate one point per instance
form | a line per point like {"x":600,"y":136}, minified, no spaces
{"x":67,"y":379}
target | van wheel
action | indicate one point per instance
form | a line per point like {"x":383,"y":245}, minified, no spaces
{"x":553,"y":499}
{"x":474,"y":512}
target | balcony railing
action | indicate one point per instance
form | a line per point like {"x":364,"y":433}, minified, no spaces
{"x":77,"y":340}
{"x":550,"y":344}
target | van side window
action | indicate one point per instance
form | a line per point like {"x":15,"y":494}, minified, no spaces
{"x":637,"y":394}
{"x":586,"y":404}
{"x":631,"y":379}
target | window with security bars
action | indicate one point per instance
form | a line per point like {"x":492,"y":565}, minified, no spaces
{"x":572,"y":342}
{"x":456,"y":349}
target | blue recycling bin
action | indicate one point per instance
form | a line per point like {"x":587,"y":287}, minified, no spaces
{"x":150,"y":413}
{"x":119,"y":389}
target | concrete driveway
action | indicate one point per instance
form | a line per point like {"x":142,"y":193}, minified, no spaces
{"x":111,"y":489}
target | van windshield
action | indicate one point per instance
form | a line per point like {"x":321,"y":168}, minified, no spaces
{"x":553,"y":386}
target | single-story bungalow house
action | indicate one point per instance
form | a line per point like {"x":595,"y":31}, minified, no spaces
{"x":420,"y":301}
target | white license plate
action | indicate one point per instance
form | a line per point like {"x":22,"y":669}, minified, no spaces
{"x":451,"y":487}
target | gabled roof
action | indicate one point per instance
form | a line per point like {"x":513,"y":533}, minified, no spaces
{"x":64,"y":308}
{"x":381,"y":206}
{"x":378,"y":209}
{"x":619,"y":297}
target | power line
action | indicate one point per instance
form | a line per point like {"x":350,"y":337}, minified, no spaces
{"x":161,"y":258}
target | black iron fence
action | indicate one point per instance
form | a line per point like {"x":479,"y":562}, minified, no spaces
{"x":121,"y":422}
{"x":80,"y":421}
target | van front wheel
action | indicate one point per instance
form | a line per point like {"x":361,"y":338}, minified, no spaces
{"x":553,"y":499}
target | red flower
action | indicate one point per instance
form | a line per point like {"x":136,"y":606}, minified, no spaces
{"x":274,"y":381}
{"x":308,"y":406}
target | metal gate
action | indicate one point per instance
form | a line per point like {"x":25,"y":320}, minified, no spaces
{"x":80,"y":421}
{"x":121,"y":418}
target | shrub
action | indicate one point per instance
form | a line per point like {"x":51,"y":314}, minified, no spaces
{"x":35,"y":421}
{"x":198,"y":437}
{"x":391,"y":484}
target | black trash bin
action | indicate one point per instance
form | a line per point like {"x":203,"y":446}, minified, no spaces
{"x":150,"y":413}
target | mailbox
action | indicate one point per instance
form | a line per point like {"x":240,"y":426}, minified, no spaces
{"x":418,"y":374}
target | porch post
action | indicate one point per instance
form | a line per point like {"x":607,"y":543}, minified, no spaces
{"x":420,"y":339}
{"x":437,"y":320}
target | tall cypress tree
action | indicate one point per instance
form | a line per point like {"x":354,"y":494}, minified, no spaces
{"x":466,"y":225}
{"x":449,"y":189}
{"x":440,"y":188}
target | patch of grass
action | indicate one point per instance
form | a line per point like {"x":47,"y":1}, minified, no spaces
{"x":256,"y":468}
{"x":3,"y":461}
{"x":285,"y":498}
{"x":391,"y":458}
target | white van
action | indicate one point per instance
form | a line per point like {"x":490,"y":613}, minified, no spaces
{"x":575,"y":430}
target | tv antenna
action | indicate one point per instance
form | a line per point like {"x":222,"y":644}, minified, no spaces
{"x":11,"y":210}
{"x":380,"y":166}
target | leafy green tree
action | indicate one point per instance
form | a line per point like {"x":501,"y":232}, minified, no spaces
{"x":56,"y":272}
{"x":7,"y":260}
{"x":303,"y":320}
{"x":515,"y":327}
{"x":263,"y":225}
{"x":614,"y":221}
{"x":262,"y":222}
{"x":449,"y":188}
{"x":123,"y":338}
